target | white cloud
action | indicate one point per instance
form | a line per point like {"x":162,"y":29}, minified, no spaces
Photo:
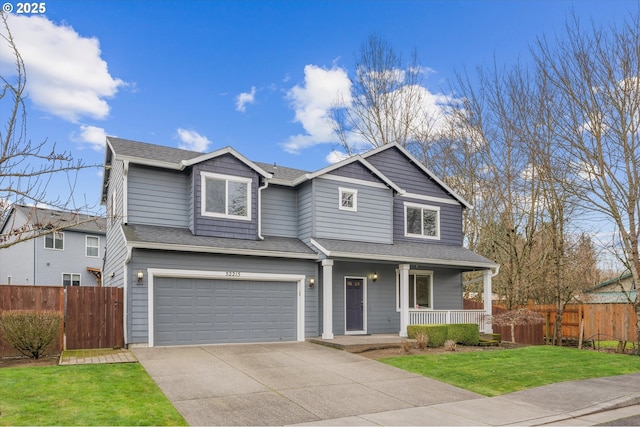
{"x":245,"y":98}
{"x":336,"y":156}
{"x":66,"y":75}
{"x":94,"y":136}
{"x":313,"y":102}
{"x":192,"y":140}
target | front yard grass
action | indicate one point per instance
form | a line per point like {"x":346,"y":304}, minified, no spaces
{"x":103,"y":394}
{"x":493,"y":373}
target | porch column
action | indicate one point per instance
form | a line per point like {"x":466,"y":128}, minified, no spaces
{"x":488,"y":328}
{"x":404,"y":299}
{"x":327,"y":299}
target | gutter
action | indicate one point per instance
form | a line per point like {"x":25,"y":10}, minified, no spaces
{"x":266,"y":184}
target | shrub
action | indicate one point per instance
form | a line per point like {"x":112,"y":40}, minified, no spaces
{"x":437,"y":333}
{"x":30,"y":332}
{"x":464,"y":333}
{"x":406,"y":346}
{"x":422,"y":340}
{"x":450,"y":345}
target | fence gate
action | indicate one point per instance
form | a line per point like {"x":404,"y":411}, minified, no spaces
{"x":94,"y":317}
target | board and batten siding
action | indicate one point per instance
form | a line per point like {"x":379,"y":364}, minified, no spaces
{"x":158,"y":197}
{"x":138,"y":327}
{"x":450,"y":222}
{"x":279,"y":212}
{"x":408,"y":176}
{"x":222,"y":227}
{"x":372,"y":222}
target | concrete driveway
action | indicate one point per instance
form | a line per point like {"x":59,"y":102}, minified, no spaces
{"x":285,"y":383}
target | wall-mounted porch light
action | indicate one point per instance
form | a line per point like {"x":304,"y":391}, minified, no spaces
{"x":140,"y":276}
{"x":374,"y":276}
{"x":312,"y":283}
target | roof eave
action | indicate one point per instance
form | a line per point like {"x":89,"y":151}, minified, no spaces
{"x":219,"y":250}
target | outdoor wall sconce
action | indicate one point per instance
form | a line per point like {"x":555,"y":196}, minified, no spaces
{"x":140,"y":276}
{"x":374,"y":277}
{"x":312,"y":283}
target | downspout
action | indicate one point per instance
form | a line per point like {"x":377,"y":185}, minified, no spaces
{"x":266,"y":184}
{"x":125,"y":193}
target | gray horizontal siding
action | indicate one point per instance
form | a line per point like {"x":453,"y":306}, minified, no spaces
{"x":158,"y":197}
{"x":279,"y":212}
{"x":143,"y":259}
{"x":372,"y":222}
{"x":305,"y":212}
{"x":447,"y":289}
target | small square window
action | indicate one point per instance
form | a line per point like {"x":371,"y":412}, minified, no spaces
{"x":225,"y":196}
{"x":348,"y":199}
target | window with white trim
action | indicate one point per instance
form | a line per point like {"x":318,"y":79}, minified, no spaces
{"x":420,"y":290}
{"x":348,"y":200}
{"x":421,"y":221}
{"x":225,"y":196}
{"x":70,"y":279}
{"x":92,"y":246}
{"x":54,"y":240}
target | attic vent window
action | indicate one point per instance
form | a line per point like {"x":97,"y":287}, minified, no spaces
{"x":348,"y":199}
{"x":225,"y":196}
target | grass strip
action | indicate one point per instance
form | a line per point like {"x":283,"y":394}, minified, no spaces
{"x":492,"y":373}
{"x":103,"y":394}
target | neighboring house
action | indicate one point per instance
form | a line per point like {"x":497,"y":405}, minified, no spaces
{"x":616,"y":290}
{"x":216,"y":248}
{"x":70,"y":255}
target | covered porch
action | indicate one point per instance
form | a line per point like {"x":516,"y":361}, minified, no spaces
{"x":396,"y":286}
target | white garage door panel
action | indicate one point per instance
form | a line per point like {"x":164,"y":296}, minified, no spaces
{"x":208,"y":311}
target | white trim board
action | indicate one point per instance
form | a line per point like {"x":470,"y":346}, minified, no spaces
{"x":299,"y":279}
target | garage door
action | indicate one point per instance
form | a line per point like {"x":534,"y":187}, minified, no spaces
{"x":206,"y":311}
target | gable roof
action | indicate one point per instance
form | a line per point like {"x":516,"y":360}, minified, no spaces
{"x":609,"y":282}
{"x":178,"y":159}
{"x":42,"y":218}
{"x":421,"y":166}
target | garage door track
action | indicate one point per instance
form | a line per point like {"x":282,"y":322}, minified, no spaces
{"x":284,"y":383}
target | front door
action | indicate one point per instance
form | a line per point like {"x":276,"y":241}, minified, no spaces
{"x":354,"y":300}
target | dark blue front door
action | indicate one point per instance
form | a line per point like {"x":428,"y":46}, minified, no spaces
{"x":354,"y":304}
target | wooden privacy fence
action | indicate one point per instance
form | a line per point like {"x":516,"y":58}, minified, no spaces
{"x":93,"y":315}
{"x":600,"y":321}
{"x":523,"y":334}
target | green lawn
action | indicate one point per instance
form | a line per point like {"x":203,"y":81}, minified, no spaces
{"x":492,"y":373}
{"x":104,"y":394}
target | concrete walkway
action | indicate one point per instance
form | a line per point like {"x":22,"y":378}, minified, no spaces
{"x":307,"y":384}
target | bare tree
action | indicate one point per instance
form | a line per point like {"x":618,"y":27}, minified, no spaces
{"x":385,"y":103}
{"x":26,"y":168}
{"x":596,"y":76}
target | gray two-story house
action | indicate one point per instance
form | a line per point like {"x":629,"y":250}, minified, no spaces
{"x":216,"y":248}
{"x":63,"y":248}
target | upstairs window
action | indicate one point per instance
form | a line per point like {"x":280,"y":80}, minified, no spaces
{"x":422,"y":221}
{"x":93,"y":246}
{"x":54,"y":240}
{"x":348,"y":199}
{"x":225,"y":196}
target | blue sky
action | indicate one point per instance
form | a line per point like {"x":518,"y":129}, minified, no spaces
{"x":255,"y":75}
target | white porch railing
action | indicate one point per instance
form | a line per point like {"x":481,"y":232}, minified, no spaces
{"x":439,"y":317}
